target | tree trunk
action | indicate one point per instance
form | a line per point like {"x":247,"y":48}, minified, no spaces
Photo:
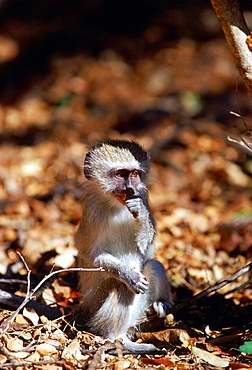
{"x":234,"y":26}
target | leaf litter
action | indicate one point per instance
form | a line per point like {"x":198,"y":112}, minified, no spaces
{"x":200,"y":192}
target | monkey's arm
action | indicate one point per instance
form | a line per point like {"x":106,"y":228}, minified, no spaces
{"x":138,"y":207}
{"x":115,"y":267}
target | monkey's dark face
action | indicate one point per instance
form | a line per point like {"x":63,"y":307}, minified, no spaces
{"x":126,"y":183}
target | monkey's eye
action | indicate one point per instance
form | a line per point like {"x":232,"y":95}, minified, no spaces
{"x":134,"y":174}
{"x":120,"y":174}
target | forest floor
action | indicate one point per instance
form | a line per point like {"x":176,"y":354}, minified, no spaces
{"x":175,"y":100}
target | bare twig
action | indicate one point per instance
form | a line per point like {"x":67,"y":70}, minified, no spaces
{"x":28,"y":275}
{"x":244,"y":140}
{"x":13,"y":281}
{"x":234,"y":26}
{"x":12,"y":302}
{"x":211,"y":289}
{"x":30,"y":293}
{"x":27,"y":364}
{"x":242,"y":117}
{"x":241,"y":143}
{"x":238,"y":288}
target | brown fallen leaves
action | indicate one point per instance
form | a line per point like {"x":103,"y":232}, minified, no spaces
{"x":174,"y":99}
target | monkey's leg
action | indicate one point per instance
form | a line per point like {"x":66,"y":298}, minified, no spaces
{"x":120,"y":311}
{"x":126,"y":317}
{"x":159,"y":293}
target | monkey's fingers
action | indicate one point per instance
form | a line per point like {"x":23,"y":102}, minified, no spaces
{"x":134,"y":204}
{"x":135,"y":280}
{"x":142,"y":286}
{"x":133,"y":197}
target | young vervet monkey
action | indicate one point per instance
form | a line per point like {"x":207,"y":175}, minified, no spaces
{"x":116,"y":233}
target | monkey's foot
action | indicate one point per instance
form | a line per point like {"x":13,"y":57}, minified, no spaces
{"x":161,"y":308}
{"x":139,"y":348}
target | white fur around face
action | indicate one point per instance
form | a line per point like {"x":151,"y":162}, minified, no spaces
{"x":105,"y":158}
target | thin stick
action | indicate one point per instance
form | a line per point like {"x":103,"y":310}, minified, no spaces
{"x":13,"y":281}
{"x":31,"y":364}
{"x":240,"y":116}
{"x":30,"y":293}
{"x":213,"y":288}
{"x":28,"y":275}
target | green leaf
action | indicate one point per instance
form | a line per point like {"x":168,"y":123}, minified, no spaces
{"x":246,"y":347}
{"x":65,"y":100}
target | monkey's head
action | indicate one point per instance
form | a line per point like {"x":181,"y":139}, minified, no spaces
{"x":118,"y":167}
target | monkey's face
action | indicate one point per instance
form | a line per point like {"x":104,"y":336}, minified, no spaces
{"x":118,"y":168}
{"x":127,"y":182}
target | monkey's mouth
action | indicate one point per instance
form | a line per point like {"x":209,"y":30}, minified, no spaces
{"x":123,"y":195}
{"x":121,"y":198}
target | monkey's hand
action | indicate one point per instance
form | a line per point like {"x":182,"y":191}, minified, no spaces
{"x":146,"y":228}
{"x":135,"y":280}
{"x":136,"y":207}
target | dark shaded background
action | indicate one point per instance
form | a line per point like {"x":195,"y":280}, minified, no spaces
{"x":45,"y":28}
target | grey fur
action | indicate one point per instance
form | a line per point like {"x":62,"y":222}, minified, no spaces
{"x":119,"y":238}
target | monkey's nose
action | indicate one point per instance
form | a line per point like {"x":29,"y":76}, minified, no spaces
{"x":129,"y":191}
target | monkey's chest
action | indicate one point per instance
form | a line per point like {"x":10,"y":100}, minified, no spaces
{"x":120,"y":240}
{"x":121,"y":244}
{"x":121,"y":229}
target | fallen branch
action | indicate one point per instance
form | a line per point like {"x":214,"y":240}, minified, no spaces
{"x":13,"y":281}
{"x":211,"y":289}
{"x":28,"y":364}
{"x":30,"y":295}
{"x":10,"y":301}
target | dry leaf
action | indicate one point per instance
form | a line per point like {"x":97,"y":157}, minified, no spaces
{"x":3,"y":359}
{"x":26,"y":335}
{"x":86,"y":339}
{"x":31,"y":315}
{"x":62,"y":290}
{"x":52,"y":342}
{"x":166,"y":361}
{"x":122,"y":364}
{"x":72,"y":352}
{"x":239,"y":366}
{"x":46,"y":349}
{"x":225,"y":340}
{"x":22,"y":354}
{"x":9,"y":49}
{"x":59,"y":336}
{"x":15,"y":344}
{"x":34,"y":357}
{"x":209,"y":357}
{"x":66,"y":259}
{"x":37,"y":333}
{"x":48,"y":296}
{"x":55,"y":367}
{"x":21,"y":320}
{"x":174,"y":336}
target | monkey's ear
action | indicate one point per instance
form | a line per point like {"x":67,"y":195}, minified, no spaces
{"x":87,"y":167}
